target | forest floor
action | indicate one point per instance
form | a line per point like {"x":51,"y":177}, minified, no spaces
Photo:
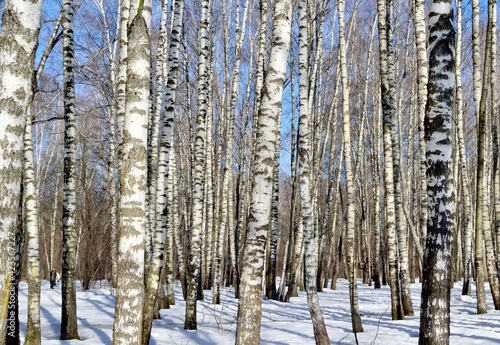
{"x":282,"y":324}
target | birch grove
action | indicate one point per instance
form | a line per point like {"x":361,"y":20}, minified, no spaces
{"x":245,"y":152}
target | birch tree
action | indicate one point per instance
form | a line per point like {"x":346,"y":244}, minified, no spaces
{"x":33,"y":332}
{"x":198,"y":173}
{"x":18,"y":41}
{"x":466,"y":221}
{"x":351,"y":265}
{"x":476,"y":59}
{"x":494,"y":122}
{"x":422,"y":76}
{"x":435,"y":308}
{"x":69,"y":327}
{"x":120,"y":116}
{"x":387,"y":101}
{"x":304,"y":151}
{"x":404,"y":281}
{"x":160,"y":227}
{"x":127,"y":327}
{"x":483,"y":224}
{"x":267,"y":130}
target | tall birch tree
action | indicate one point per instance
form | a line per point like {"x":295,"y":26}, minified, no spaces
{"x":466,"y":221}
{"x":351,"y":265}
{"x":483,"y":227}
{"x":69,"y":327}
{"x":127,"y":327}
{"x":435,"y":308}
{"x":422,"y":77}
{"x":304,"y":161}
{"x":120,"y":115}
{"x":387,"y":101}
{"x":198,"y":173}
{"x":267,"y":130}
{"x":18,"y":41}
{"x":33,"y":332}
{"x":160,"y":227}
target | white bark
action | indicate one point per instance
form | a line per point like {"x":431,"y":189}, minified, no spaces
{"x":18,"y":39}
{"x":33,"y":333}
{"x":435,"y":309}
{"x":351,"y":264}
{"x":387,"y":100}
{"x":249,"y":306}
{"x":133,"y":181}
{"x":69,"y":328}
{"x":198,"y":173}
{"x":304,"y":149}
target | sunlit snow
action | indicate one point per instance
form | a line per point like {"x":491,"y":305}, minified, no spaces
{"x":285,"y":324}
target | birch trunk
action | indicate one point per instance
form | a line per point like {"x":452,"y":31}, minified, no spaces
{"x":483,"y":224}
{"x":120,"y":115}
{"x":69,"y":328}
{"x":271,"y":292}
{"x":351,"y":264}
{"x":228,"y":171}
{"x":304,"y":160}
{"x":404,"y":280}
{"x":33,"y":333}
{"x":171,"y":225}
{"x":435,"y":308}
{"x":127,"y":327}
{"x":387,"y":100}
{"x":249,"y":306}
{"x":476,"y":56}
{"x":422,"y":77}
{"x":160,"y":220}
{"x":466,"y":221}
{"x":198,"y":174}
{"x":209,"y":188}
{"x":154,"y":211}
{"x":377,"y":253}
{"x":18,"y":40}
{"x":494,"y":124}
{"x":476,"y":59}
{"x":13,"y":293}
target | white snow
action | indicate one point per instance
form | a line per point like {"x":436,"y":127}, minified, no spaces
{"x":282,"y":323}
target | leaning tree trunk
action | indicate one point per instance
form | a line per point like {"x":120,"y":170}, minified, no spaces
{"x":18,"y":40}
{"x":154,"y":178}
{"x":304,"y":160}
{"x":69,"y":327}
{"x":435,"y":309}
{"x":249,"y":306}
{"x":133,"y":182}
{"x":160,"y":220}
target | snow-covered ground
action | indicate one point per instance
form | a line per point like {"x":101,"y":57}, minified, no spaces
{"x":281,"y":323}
